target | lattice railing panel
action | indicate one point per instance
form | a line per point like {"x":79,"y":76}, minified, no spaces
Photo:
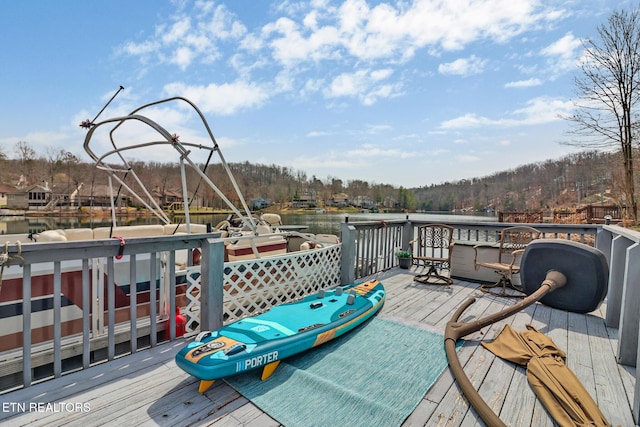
{"x":251,"y":287}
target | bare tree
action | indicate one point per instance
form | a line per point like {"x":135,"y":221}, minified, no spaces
{"x":26,"y":159}
{"x":608,"y":94}
{"x":55,"y":156}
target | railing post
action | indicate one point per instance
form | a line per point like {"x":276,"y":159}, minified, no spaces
{"x":603,"y":242}
{"x":629,"y":315}
{"x":211,"y":285}
{"x":619,"y":248}
{"x":407,"y":234}
{"x":348,"y":255}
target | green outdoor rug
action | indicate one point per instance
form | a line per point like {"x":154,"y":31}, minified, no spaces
{"x":374,"y":375}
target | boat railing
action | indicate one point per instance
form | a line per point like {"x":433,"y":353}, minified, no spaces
{"x":68,"y":296}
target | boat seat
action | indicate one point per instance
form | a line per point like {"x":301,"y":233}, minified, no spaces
{"x":272,"y":219}
{"x":305,"y":246}
{"x":263,"y":229}
{"x":170,"y":229}
{"x":129,"y":231}
{"x":73,"y":234}
{"x":327,"y":238}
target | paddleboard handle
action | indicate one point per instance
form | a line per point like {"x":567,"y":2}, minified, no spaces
{"x":351,"y":298}
{"x":235,"y":349}
{"x":202,"y":335}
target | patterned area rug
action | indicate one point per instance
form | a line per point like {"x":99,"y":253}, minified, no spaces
{"x":374,"y":375}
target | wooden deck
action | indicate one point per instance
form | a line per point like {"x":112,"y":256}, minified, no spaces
{"x":148,"y":389}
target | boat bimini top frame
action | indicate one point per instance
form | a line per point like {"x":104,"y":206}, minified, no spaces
{"x":168,"y":139}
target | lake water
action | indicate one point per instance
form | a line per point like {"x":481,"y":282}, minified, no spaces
{"x":328,"y":223}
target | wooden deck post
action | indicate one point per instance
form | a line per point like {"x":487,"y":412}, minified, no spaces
{"x":629,"y":314}
{"x":604,"y":239}
{"x":407,"y":234}
{"x":212,"y":285}
{"x":617,"y":263}
{"x":348,"y":256}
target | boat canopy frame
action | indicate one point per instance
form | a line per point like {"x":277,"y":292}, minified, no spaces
{"x":167,"y":139}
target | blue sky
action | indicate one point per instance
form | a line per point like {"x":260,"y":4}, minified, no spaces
{"x":408,"y":93}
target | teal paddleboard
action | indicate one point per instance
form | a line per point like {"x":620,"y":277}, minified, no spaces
{"x":264,"y":340}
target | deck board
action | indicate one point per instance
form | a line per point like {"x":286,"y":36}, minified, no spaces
{"x":148,"y":389}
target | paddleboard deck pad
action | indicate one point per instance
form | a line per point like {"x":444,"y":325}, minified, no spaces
{"x":264,"y":340}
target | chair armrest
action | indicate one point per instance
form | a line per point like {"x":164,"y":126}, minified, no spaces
{"x":515,"y":255}
{"x":476,"y":252}
{"x":482,"y":246}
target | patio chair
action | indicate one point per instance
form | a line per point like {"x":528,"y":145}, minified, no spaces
{"x":433,"y":247}
{"x":511,"y":245}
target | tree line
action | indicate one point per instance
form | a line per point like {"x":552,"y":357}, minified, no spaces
{"x":581,"y":178}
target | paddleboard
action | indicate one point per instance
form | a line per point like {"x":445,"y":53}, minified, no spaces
{"x":263,"y":341}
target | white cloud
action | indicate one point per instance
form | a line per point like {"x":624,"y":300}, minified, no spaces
{"x":315,"y":134}
{"x":347,"y":84}
{"x":524,"y":83}
{"x":467,"y":121}
{"x":543,"y":110}
{"x":353,"y":31}
{"x":222,"y":99}
{"x":373,"y":39}
{"x":537,"y":111}
{"x":463,"y":66}
{"x":182,"y":57}
{"x":189,"y":36}
{"x":364,"y":85}
{"x":563,"y":54}
{"x":178,"y":30}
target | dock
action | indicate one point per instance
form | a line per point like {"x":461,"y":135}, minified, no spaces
{"x":147,"y":388}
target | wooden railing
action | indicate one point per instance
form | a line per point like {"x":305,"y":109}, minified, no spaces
{"x":589,"y":214}
{"x":521,"y":217}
